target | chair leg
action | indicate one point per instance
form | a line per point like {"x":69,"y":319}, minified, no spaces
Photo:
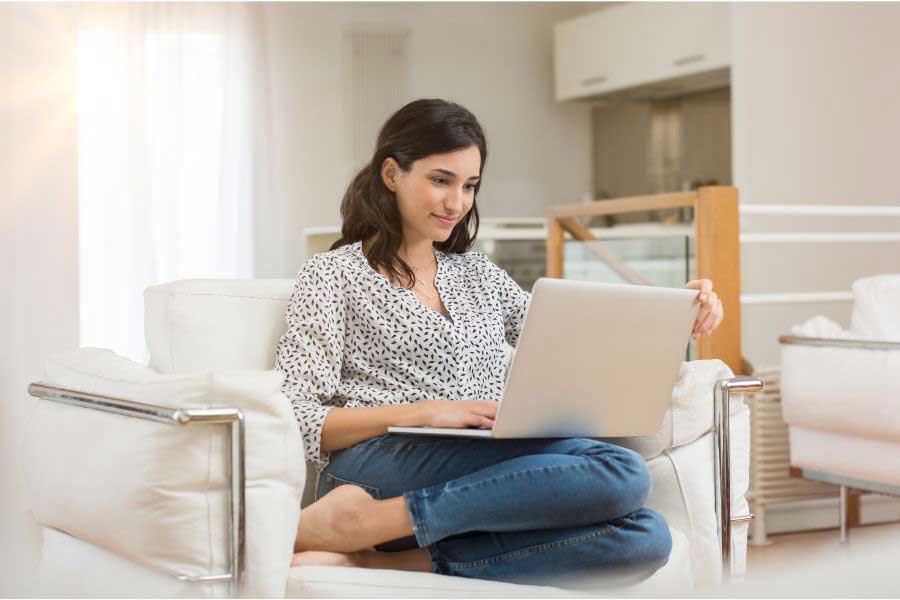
{"x":845,"y":511}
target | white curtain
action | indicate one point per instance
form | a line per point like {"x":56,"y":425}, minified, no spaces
{"x":174,"y":134}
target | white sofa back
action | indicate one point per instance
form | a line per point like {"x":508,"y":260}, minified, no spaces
{"x":196,"y":324}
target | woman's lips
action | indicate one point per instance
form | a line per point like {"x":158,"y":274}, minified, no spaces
{"x":443,"y":221}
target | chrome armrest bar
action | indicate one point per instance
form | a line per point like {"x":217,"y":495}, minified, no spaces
{"x":232,"y":417}
{"x":839,"y":342}
{"x":722,"y":473}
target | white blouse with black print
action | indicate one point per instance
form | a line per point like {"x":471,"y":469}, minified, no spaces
{"x":354,"y":338}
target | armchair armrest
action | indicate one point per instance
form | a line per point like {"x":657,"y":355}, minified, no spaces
{"x":232,"y":417}
{"x":114,"y":457}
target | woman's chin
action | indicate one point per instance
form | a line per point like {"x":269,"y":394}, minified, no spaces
{"x":440,"y":238}
{"x":440,"y":234}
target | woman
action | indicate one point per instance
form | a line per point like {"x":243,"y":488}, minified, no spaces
{"x":399,"y":324}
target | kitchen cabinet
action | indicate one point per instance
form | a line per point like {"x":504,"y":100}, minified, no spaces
{"x":639,"y":45}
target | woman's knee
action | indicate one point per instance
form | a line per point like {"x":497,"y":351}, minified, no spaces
{"x":636,"y":479}
{"x":627,"y":468}
{"x":655,"y":538}
{"x":643,"y":544}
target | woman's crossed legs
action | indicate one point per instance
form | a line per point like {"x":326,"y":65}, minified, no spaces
{"x":513,"y":510}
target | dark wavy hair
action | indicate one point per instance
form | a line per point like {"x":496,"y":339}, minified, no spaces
{"x":419,"y":129}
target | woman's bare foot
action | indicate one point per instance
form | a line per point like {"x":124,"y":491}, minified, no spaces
{"x":348,"y":519}
{"x":406,"y":560}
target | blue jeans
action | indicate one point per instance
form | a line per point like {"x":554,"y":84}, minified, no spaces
{"x":552,"y":511}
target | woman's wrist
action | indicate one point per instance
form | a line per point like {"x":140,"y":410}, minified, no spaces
{"x":344,"y":427}
{"x":415,"y":414}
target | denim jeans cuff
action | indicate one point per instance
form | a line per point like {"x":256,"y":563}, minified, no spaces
{"x":416,"y":510}
{"x":437,"y":561}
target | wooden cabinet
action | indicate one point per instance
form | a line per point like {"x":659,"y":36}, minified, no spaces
{"x":632,"y":45}
{"x":573,"y":41}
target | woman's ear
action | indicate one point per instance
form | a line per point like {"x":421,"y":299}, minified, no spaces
{"x":389,"y":172}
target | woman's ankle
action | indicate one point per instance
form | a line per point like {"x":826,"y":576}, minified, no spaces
{"x":393,"y":518}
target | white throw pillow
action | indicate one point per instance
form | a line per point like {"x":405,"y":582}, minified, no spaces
{"x":157,"y":493}
{"x":876,"y":308}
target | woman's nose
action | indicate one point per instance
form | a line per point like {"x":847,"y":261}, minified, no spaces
{"x":454,"y":201}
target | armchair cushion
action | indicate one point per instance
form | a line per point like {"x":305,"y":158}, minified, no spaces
{"x":155,"y":493}
{"x":224,"y":324}
{"x":875,"y":301}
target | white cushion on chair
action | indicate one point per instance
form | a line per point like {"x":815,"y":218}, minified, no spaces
{"x":222,"y":324}
{"x":155,"y":493}
{"x":849,"y":456}
{"x":195,"y":324}
{"x":876,"y":307}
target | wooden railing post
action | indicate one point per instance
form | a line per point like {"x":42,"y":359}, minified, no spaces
{"x":555,"y":240}
{"x":718,"y":256}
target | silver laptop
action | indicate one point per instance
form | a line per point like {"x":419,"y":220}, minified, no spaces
{"x":593,"y":360}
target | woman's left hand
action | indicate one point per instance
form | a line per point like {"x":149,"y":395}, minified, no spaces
{"x":711,"y":311}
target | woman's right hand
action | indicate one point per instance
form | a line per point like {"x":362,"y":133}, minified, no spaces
{"x":460,"y":413}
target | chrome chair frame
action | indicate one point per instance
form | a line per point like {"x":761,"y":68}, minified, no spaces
{"x":722,"y":461}
{"x":838,"y":342}
{"x":234,"y":418}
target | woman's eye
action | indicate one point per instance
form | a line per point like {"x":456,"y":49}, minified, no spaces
{"x":443,"y":181}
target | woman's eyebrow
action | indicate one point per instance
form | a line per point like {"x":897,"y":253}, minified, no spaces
{"x":452,"y":174}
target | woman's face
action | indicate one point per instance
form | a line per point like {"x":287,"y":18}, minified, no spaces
{"x":436,"y":193}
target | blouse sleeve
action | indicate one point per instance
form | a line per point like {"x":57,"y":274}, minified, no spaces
{"x":310,"y":351}
{"x":513,"y":299}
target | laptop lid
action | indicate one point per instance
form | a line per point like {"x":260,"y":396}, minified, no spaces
{"x":596,"y":359}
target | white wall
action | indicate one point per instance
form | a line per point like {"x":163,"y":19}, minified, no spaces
{"x":815,"y":120}
{"x":493,"y":58}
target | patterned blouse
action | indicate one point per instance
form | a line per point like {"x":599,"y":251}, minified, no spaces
{"x":354,"y":338}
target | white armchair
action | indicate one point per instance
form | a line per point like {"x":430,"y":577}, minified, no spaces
{"x":185,"y":477}
{"x":840,"y":395}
